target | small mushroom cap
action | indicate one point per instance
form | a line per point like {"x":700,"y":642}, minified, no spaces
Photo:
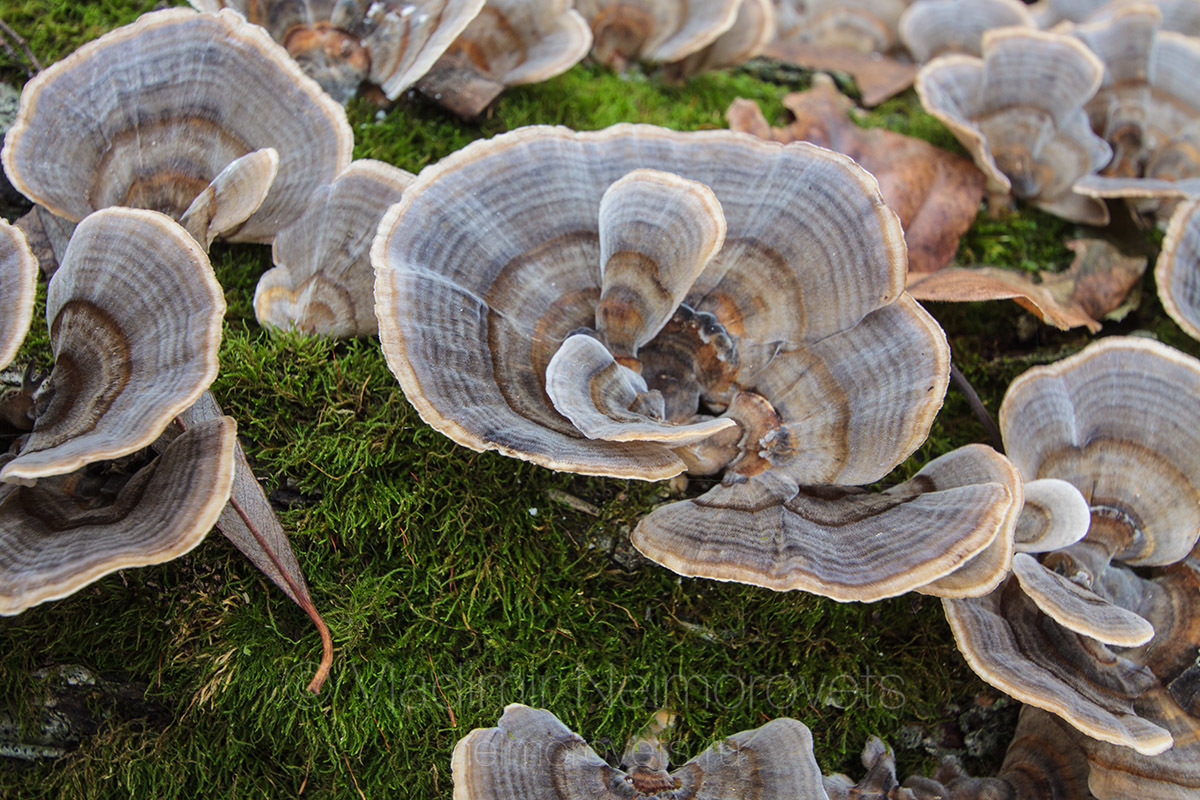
{"x":1055,"y":515}
{"x":405,"y":39}
{"x":1118,"y":773}
{"x":323,"y":281}
{"x":1177,"y":271}
{"x":1013,"y":646}
{"x":660,"y":31}
{"x":606,"y":400}
{"x":478,"y":375}
{"x":1026,"y":134}
{"x":18,"y":285}
{"x":135,"y":323}
{"x":237,"y":192}
{"x":752,"y":31}
{"x":533,"y":756}
{"x":930,"y":28}
{"x":1117,"y":420}
{"x":524,"y":41}
{"x":841,"y":543}
{"x":51,"y":547}
{"x":869,"y":26}
{"x":164,"y":120}
{"x":1078,"y":608}
{"x":658,"y":232}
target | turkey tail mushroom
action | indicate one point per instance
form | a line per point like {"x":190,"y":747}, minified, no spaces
{"x":533,"y":756}
{"x":18,"y":284}
{"x":164,"y":131}
{"x":135,"y":323}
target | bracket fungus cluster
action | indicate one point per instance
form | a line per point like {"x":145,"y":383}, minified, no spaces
{"x":341,"y":45}
{"x":932,"y":28}
{"x":641,"y":302}
{"x":134,"y":345}
{"x":322,"y":281}
{"x":1019,"y":111}
{"x":1098,"y":622}
{"x":534,"y":756}
{"x":163,"y":130}
{"x":658,"y":31}
{"x":509,"y":43}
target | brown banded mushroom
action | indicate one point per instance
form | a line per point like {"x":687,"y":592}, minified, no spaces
{"x":1182,"y":16}
{"x":1177,"y":271}
{"x":1116,"y":421}
{"x":341,"y":45}
{"x":656,"y":31}
{"x":533,"y":756}
{"x":931,"y":28}
{"x":135,"y":322}
{"x":510,"y":42}
{"x":18,"y":284}
{"x":322,"y":281}
{"x":752,"y":31}
{"x":610,"y":332}
{"x":165,"y":131}
{"x":56,"y":539}
{"x":1148,"y":95}
{"x":1019,"y":112}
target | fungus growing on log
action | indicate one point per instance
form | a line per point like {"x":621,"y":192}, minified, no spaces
{"x":165,"y":131}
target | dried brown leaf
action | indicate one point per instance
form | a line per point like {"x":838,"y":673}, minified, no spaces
{"x":878,"y":76}
{"x":1096,"y":284}
{"x":250,"y":523}
{"x":935,"y":193}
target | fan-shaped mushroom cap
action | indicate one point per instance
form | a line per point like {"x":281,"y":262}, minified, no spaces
{"x":1117,"y":420}
{"x":1055,"y":515}
{"x":606,"y":400}
{"x":323,"y":281}
{"x":752,"y":31}
{"x":524,"y":41}
{"x":1025,"y":129}
{"x":1177,"y":271}
{"x":51,"y":546}
{"x":172,"y":101}
{"x":1016,"y":648}
{"x":341,"y":44}
{"x":1077,"y":608}
{"x":869,"y":26}
{"x":18,"y":283}
{"x":797,"y":290}
{"x":1182,"y":16}
{"x":1149,"y":93}
{"x":930,"y":28}
{"x":533,"y":756}
{"x":1118,"y":773}
{"x":659,"y":31}
{"x":135,"y":322}
{"x":841,"y":543}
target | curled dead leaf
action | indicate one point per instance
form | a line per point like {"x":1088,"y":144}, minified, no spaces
{"x":936,"y":194}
